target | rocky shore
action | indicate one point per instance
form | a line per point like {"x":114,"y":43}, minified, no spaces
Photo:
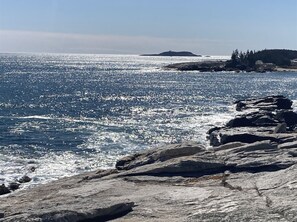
{"x":280,"y":60}
{"x":249,"y":174}
{"x":206,"y":66}
{"x":221,"y":66}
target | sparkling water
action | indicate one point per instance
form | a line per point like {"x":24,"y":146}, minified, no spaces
{"x":65,"y":114}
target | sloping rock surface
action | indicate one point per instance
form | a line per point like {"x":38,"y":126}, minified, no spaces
{"x":252,"y":177}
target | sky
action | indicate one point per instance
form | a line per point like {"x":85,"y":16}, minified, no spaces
{"x":208,"y":27}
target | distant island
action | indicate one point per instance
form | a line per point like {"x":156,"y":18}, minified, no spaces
{"x":249,"y":61}
{"x":173,"y":53}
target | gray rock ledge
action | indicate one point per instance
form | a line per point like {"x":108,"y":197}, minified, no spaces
{"x":237,"y":180}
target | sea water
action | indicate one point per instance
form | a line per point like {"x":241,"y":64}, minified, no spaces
{"x":64,"y":114}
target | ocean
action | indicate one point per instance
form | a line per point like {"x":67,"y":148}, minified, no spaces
{"x":64,"y":114}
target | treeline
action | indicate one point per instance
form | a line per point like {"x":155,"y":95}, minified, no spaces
{"x":244,"y":60}
{"x":241,"y":60}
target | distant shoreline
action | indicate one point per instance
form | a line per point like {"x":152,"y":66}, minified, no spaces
{"x":173,"y":53}
{"x":219,"y":66}
{"x":281,"y":60}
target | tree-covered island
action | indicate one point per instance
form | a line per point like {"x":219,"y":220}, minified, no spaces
{"x":249,"y":61}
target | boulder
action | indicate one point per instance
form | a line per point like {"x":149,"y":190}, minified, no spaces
{"x":186,"y":166}
{"x":4,"y":190}
{"x":239,"y":122}
{"x":289,"y":117}
{"x":14,"y":186}
{"x":255,"y":119}
{"x":159,"y":155}
{"x":24,"y":179}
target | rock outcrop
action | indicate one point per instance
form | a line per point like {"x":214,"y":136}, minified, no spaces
{"x":4,"y":190}
{"x":206,"y":66}
{"x":249,"y":175}
{"x":271,"y":118}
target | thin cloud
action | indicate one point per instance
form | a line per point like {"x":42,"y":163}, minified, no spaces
{"x":29,"y":41}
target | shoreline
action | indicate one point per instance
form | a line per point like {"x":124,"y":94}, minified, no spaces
{"x":252,"y":159}
{"x":220,"y":66}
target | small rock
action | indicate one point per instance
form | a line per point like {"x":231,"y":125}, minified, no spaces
{"x":1,"y":215}
{"x":32,"y":168}
{"x":283,"y":103}
{"x":240,"y":105}
{"x":24,"y":179}
{"x":4,"y":189}
{"x":14,"y":186}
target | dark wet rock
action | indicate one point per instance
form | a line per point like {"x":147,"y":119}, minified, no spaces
{"x":289,"y":117}
{"x":267,"y":123}
{"x":245,"y":138}
{"x":1,"y":215}
{"x":14,"y":186}
{"x":213,"y":129}
{"x":24,"y":179}
{"x":4,"y":190}
{"x":105,"y":213}
{"x":245,"y":135}
{"x":266,"y":103}
{"x":239,"y":122}
{"x":249,"y":135}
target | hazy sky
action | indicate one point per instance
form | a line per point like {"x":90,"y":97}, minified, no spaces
{"x":213,"y":27}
